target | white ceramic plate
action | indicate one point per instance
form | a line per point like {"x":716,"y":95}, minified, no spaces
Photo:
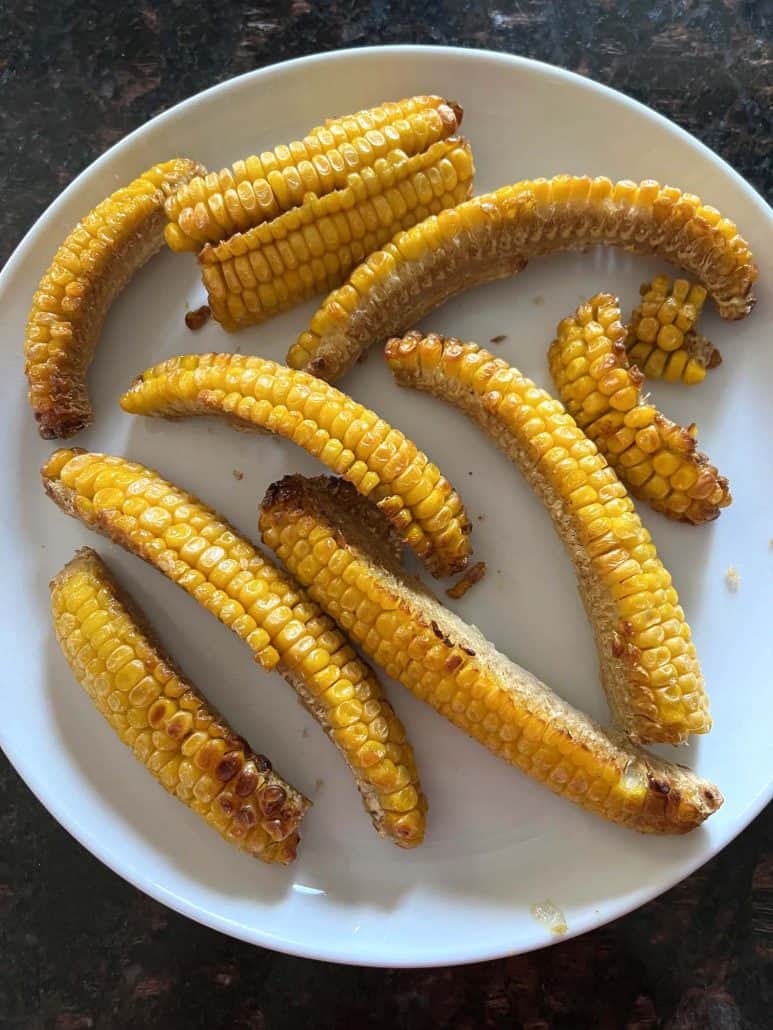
{"x":497,"y":842}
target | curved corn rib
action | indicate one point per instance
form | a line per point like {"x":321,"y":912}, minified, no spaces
{"x":656,"y":458}
{"x":334,"y":544}
{"x":89,"y":270}
{"x":661,"y":337}
{"x":159,"y":714}
{"x":351,"y":440}
{"x":259,"y":273}
{"x":257,"y":189}
{"x":285,"y":630}
{"x":647,"y":657}
{"x":494,"y":235}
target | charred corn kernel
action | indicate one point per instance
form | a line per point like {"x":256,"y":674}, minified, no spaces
{"x":455,"y":669}
{"x":88,"y":271}
{"x":158,"y":713}
{"x":421,"y":504}
{"x":257,"y":189}
{"x":616,"y":562}
{"x":661,"y":337}
{"x":265,"y":270}
{"x":655,"y":464}
{"x":496,"y":234}
{"x":275,"y":617}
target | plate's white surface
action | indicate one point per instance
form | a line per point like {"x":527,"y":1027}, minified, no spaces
{"x":497,"y":842}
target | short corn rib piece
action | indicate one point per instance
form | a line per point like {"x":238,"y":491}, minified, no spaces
{"x":496,"y":234}
{"x":282,"y":626}
{"x":259,"y":273}
{"x":89,"y":270}
{"x":662,"y":339}
{"x":212,"y":207}
{"x":647,"y":658}
{"x":339,"y":548}
{"x":351,"y":440}
{"x":179,"y":738}
{"x":656,"y":458}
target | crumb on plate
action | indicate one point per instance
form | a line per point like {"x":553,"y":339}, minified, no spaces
{"x":732,"y":579}
{"x":196,"y":319}
{"x":472,"y":576}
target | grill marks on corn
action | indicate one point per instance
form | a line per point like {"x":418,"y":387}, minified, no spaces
{"x":497,"y":233}
{"x":648,"y":664}
{"x":87,"y":273}
{"x":179,"y":738}
{"x":345,"y":436}
{"x":285,"y":630}
{"x":311,"y":248}
{"x":654,"y":456}
{"x":212,"y":207}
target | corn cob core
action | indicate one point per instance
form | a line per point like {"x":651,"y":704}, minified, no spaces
{"x":285,"y":630}
{"x":310,"y":249}
{"x":656,"y":458}
{"x":333,"y":543}
{"x":648,"y":664}
{"x":160,"y":715}
{"x":661,"y":337}
{"x":494,"y":235}
{"x":257,"y":189}
{"x":89,"y":270}
{"x":351,"y":440}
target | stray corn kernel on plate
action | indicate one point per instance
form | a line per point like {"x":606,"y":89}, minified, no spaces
{"x":484,"y":850}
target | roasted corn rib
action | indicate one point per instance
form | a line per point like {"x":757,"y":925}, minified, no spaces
{"x":494,"y":235}
{"x":257,"y":189}
{"x":351,"y":440}
{"x":89,"y":270}
{"x":161,"y":716}
{"x":259,"y":273}
{"x":662,"y":339}
{"x":336,"y":545}
{"x":285,"y":630}
{"x":654,"y":456}
{"x":646,"y":654}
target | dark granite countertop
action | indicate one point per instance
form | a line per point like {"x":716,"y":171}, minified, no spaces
{"x":80,"y":948}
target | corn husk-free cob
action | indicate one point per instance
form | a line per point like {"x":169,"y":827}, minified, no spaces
{"x":89,"y":270}
{"x":656,"y":458}
{"x":351,"y":440}
{"x":285,"y":630}
{"x":311,"y":248}
{"x":162,"y":717}
{"x":648,"y":664}
{"x":662,"y":339}
{"x":337,"y":546}
{"x":212,"y":207}
{"x":495,"y":235}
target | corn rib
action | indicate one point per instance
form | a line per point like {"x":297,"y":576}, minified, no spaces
{"x":285,"y":630}
{"x":323,"y":532}
{"x":210,"y":208}
{"x":311,"y":248}
{"x":179,"y":738}
{"x":351,"y":440}
{"x":646,"y":654}
{"x":657,"y":459}
{"x":494,"y":235}
{"x":89,"y":270}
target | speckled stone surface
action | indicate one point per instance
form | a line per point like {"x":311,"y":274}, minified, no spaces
{"x":82,"y":949}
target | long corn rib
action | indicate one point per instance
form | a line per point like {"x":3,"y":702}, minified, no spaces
{"x":259,"y":273}
{"x":161,"y":716}
{"x":494,"y":235}
{"x":335,"y":544}
{"x":285,"y":630}
{"x":257,"y":189}
{"x":647,"y":658}
{"x":89,"y":270}
{"x":351,"y":440}
{"x":656,"y":458}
